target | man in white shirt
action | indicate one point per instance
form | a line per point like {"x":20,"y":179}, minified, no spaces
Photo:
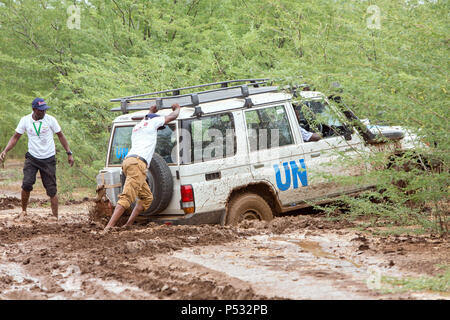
{"x":136,"y":163}
{"x":40,"y":128}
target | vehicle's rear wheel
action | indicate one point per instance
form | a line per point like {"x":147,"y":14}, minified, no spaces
{"x":248,"y":206}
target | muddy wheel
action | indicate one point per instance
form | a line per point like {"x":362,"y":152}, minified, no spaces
{"x":248,"y":206}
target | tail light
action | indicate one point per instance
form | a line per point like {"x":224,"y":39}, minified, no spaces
{"x":187,"y":199}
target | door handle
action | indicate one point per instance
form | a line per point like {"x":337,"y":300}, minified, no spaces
{"x":257,"y":166}
{"x":315,"y":155}
{"x":213,"y":176}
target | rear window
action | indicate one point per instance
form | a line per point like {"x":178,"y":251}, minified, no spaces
{"x":207,"y":138}
{"x":121,"y":144}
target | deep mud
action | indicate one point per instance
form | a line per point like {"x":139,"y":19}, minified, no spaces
{"x":295,"y":257}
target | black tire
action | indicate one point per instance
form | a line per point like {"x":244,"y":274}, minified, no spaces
{"x":248,"y":206}
{"x":160,"y":181}
{"x":159,"y":178}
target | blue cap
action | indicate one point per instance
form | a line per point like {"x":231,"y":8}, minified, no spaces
{"x":39,"y":104}
{"x":154,"y":115}
{"x":151,"y":116}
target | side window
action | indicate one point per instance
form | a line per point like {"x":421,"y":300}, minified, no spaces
{"x":207,"y":138}
{"x":268,"y":128}
{"x":166,"y":143}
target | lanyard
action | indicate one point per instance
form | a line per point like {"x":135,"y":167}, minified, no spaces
{"x":37,"y":131}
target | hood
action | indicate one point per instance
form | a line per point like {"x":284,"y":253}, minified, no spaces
{"x":388,"y":132}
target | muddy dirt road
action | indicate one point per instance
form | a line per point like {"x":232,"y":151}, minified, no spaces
{"x":293,"y":257}
{"x":301,"y":257}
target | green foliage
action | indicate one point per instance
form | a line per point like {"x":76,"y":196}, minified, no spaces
{"x":397,"y":74}
{"x":439,"y":283}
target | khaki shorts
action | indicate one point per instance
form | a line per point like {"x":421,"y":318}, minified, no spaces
{"x":135,"y":185}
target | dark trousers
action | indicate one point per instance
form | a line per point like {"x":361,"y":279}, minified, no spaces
{"x":47,"y":170}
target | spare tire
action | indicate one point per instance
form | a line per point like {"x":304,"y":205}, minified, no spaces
{"x":160,"y":181}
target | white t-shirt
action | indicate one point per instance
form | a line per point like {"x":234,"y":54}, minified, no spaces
{"x":143,"y":138}
{"x":306,"y":135}
{"x":40,"y":135}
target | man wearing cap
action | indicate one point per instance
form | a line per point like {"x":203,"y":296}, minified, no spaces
{"x":40,"y":128}
{"x":136,"y":163}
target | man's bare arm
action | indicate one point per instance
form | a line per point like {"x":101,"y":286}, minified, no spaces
{"x":65,"y":144}
{"x":174,"y":114}
{"x":11,"y":144}
{"x":315,"y":137}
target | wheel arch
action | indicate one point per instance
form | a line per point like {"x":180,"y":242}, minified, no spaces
{"x":263,"y":189}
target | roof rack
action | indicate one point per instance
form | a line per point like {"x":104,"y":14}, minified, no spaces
{"x":250,"y":87}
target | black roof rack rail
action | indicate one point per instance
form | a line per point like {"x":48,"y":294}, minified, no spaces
{"x":176,"y":91}
{"x":251,"y":87}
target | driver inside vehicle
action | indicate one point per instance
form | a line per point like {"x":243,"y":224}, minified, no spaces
{"x":306,"y":135}
{"x":309,"y":136}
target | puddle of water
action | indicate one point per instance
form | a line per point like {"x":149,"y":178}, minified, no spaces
{"x":16,"y":272}
{"x":313,"y":247}
{"x":276,"y":269}
{"x":24,"y":282}
{"x":116,"y":287}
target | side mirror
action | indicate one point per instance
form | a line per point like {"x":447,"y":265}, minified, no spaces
{"x":349,"y":115}
{"x":348,"y":135}
{"x":336,"y":99}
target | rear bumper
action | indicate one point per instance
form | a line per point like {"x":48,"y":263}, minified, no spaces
{"x":211,"y":217}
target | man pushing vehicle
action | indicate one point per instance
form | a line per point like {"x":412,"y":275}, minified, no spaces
{"x":136,"y":163}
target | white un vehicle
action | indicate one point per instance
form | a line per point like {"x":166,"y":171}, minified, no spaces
{"x":236,"y":151}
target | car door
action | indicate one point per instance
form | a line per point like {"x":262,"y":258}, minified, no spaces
{"x":325,"y":158}
{"x":214,"y":160}
{"x":275,"y":155}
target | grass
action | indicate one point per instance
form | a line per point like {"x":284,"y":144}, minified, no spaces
{"x":439,"y":283}
{"x":8,"y":176}
{"x":13,"y":174}
{"x":397,"y":230}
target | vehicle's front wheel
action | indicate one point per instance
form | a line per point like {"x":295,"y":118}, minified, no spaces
{"x":248,"y":206}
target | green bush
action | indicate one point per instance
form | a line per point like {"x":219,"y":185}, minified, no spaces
{"x":397,"y":74}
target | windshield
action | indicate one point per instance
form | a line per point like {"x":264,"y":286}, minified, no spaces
{"x":121,"y":144}
{"x":323,"y":113}
{"x":318,"y":116}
